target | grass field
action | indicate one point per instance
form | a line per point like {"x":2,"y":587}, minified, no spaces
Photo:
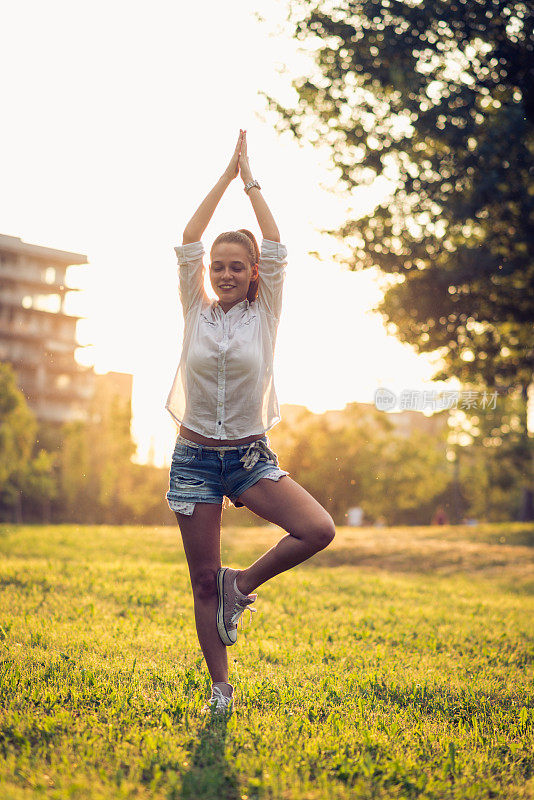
{"x":397,"y":663}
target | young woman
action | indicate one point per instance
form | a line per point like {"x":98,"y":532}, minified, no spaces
{"x":224,"y":400}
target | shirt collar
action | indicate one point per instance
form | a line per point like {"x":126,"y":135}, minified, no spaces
{"x":238,"y":306}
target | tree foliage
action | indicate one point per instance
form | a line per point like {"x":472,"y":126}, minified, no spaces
{"x":21,"y":470}
{"x":437,"y":97}
{"x":360,"y":460}
{"x":99,"y":482}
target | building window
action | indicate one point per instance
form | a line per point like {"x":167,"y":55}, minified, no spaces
{"x":50,"y":275}
{"x":47,"y":302}
{"x":27,"y":301}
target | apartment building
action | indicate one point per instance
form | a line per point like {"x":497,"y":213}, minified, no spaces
{"x":37,"y":336}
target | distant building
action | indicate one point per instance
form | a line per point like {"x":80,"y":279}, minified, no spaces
{"x":36,"y":335}
{"x":292,"y":413}
{"x":409,"y":420}
{"x":38,"y":338}
{"x":404,"y":422}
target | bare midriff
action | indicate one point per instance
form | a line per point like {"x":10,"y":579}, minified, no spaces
{"x":193,"y":436}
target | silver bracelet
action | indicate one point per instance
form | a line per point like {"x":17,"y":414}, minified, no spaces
{"x":250,"y":184}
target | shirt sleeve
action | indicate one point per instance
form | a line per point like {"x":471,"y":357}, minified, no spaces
{"x":272,"y":271}
{"x":191,"y":275}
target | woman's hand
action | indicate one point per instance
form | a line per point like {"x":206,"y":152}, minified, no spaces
{"x":244,"y":166}
{"x":199,"y":221}
{"x":261,"y":209}
{"x":233,"y":167}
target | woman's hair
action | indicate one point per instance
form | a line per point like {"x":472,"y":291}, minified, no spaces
{"x":248,"y":240}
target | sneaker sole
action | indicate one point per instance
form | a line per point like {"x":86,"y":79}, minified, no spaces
{"x":223,"y":633}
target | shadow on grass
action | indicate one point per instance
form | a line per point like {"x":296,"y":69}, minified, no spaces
{"x":401,"y":560}
{"x":505,"y":563}
{"x":210,"y":776}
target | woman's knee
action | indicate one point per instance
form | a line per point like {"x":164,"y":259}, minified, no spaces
{"x":204,"y":583}
{"x":319,"y":532}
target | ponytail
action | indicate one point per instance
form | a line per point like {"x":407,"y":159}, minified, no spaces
{"x":254,"y":283}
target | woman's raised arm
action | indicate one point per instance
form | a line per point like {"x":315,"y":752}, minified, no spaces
{"x":199,"y":221}
{"x":265,"y":219}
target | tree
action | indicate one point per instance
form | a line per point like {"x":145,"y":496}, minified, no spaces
{"x":20,"y":471}
{"x":411,"y":474}
{"x":489,"y":446}
{"x":438,"y":98}
{"x":95,"y":467}
{"x":361,"y":461}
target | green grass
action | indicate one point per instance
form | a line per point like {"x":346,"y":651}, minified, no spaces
{"x":397,"y":663}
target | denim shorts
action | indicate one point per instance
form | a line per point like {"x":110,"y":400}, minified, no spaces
{"x":202,"y":474}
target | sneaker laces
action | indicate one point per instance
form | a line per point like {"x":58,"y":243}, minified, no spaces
{"x":219,"y":700}
{"x":240,"y":606}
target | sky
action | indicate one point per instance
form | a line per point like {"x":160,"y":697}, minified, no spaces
{"x":118,"y":118}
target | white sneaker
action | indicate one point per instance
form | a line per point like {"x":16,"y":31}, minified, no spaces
{"x":219,"y":703}
{"x":230,"y":605}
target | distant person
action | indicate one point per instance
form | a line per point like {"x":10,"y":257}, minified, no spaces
{"x":440,"y":517}
{"x":223,"y":398}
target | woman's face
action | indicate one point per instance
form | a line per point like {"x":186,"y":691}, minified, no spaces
{"x":230,"y":267}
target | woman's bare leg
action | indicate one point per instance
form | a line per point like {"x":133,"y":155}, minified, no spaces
{"x":201,"y":536}
{"x":310,"y":528}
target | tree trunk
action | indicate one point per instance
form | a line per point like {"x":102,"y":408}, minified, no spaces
{"x":18,"y":508}
{"x":526,"y":509}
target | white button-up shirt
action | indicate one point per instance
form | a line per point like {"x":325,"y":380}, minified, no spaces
{"x":224,"y":385}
